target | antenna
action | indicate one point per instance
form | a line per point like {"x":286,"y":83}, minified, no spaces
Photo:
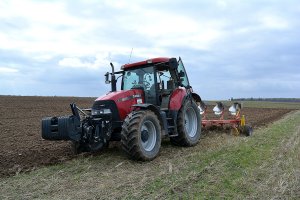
{"x":130,"y":56}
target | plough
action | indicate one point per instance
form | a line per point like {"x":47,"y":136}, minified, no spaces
{"x":237,"y":122}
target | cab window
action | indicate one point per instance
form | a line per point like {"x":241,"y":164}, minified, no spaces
{"x":165,"y":80}
{"x":182,"y":74}
{"x":142,"y":77}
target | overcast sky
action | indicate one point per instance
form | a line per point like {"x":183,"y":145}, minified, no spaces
{"x":230,"y":48}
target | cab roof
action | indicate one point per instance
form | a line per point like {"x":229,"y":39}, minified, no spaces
{"x":145,"y":62}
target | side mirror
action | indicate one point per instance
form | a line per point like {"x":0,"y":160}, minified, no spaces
{"x":107,"y":81}
{"x":173,"y":64}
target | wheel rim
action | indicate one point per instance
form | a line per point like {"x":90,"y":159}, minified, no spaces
{"x":148,"y":135}
{"x":190,"y":122}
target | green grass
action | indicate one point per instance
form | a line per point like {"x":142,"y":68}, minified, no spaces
{"x":264,"y":166}
{"x":229,"y":170}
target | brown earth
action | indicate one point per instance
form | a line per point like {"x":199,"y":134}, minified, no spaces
{"x":23,"y":149}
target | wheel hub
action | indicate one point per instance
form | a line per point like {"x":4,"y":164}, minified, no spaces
{"x":145,"y":135}
{"x":148,"y":136}
{"x":190,"y":122}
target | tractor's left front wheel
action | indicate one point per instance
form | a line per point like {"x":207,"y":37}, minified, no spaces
{"x":141,"y":135}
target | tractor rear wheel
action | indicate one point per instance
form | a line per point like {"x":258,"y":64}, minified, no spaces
{"x":188,"y":125}
{"x":141,"y":135}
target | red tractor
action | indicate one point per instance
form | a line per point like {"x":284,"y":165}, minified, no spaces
{"x":155,"y":101}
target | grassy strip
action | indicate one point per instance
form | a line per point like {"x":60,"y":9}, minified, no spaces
{"x":280,"y":177}
{"x":76,"y":179}
{"x":227,"y":172}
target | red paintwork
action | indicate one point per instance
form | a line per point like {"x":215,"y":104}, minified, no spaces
{"x":221,"y":122}
{"x":177,"y":98}
{"x":153,"y":60}
{"x":124,"y":107}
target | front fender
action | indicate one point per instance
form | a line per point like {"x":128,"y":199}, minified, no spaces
{"x":148,"y":106}
{"x":196,"y":97}
{"x":161,"y":115}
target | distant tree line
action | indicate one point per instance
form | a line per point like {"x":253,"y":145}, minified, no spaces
{"x":267,"y":99}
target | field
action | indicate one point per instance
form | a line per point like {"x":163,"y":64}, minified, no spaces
{"x":177,"y":172}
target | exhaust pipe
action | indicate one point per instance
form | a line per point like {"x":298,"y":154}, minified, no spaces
{"x":113,"y":79}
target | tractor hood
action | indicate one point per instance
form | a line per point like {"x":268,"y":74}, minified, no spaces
{"x":124,"y":100}
{"x":122,"y":95}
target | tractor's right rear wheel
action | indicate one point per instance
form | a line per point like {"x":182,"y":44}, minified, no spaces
{"x":188,"y":125}
{"x":141,"y":135}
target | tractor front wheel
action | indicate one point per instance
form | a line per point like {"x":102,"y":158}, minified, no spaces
{"x":188,"y":125}
{"x":141,"y":135}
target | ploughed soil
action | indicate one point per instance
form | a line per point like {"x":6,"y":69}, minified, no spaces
{"x":23,"y":149}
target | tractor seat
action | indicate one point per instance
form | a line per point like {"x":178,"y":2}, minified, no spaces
{"x":165,"y":92}
{"x":170,"y":84}
{"x":169,"y":89}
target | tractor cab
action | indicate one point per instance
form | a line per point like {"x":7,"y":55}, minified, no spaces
{"x":157,"y":78}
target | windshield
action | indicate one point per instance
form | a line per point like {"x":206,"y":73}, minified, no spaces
{"x":139,"y":78}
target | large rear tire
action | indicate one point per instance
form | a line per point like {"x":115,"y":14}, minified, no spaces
{"x":141,"y":135}
{"x":188,"y":125}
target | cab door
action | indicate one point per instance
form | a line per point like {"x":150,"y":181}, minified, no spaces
{"x":182,"y":74}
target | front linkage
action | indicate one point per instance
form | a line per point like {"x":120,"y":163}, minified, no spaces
{"x":89,"y":132}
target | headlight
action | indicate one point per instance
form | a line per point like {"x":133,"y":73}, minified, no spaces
{"x":101,"y":111}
